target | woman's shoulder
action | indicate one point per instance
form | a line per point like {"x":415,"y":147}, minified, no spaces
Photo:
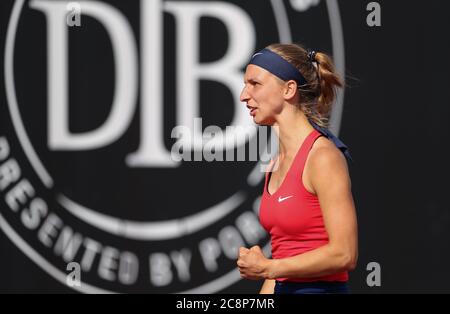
{"x":324,"y":154}
{"x":324,"y":162}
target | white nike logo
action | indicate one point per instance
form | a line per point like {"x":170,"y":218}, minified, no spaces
{"x":259,"y":53}
{"x":280,"y":199}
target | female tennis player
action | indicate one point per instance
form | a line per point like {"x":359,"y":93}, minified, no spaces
{"x":307,"y":205}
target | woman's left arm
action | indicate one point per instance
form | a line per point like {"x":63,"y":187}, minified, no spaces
{"x":331,"y":182}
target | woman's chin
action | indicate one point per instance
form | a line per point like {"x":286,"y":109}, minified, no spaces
{"x":256,"y":120}
{"x":261,"y":122}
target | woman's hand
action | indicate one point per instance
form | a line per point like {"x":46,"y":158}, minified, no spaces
{"x":253,"y":264}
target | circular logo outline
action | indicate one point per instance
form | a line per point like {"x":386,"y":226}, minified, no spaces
{"x":218,"y":283}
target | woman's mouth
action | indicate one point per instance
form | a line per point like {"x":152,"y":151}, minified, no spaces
{"x":252,"y":110}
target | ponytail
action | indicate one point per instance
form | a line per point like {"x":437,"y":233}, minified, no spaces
{"x":319,"y":94}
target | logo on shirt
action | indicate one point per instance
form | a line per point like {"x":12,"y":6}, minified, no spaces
{"x":281,"y":199}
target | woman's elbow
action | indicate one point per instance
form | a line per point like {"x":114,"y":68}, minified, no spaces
{"x":347,"y":260}
{"x":351,"y":263}
{"x":351,"y":260}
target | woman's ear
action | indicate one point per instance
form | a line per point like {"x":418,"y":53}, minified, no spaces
{"x":290,"y":90}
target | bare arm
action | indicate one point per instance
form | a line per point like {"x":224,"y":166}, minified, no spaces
{"x":268,"y":287}
{"x":331,"y":182}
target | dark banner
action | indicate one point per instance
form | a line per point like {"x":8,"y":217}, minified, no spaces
{"x":95,"y":196}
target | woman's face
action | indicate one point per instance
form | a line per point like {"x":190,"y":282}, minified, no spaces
{"x":263,"y":94}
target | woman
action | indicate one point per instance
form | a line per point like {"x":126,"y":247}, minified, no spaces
{"x":307,"y":205}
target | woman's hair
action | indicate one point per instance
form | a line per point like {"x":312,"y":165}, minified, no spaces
{"x":318,"y":95}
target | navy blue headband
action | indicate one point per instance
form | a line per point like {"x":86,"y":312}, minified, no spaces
{"x":276,"y":65}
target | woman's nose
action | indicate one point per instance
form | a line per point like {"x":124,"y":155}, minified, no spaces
{"x":244,"y":95}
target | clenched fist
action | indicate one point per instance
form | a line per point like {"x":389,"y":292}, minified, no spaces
{"x":252,"y":263}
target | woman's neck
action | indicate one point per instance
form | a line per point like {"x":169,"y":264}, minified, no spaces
{"x":292,"y":128}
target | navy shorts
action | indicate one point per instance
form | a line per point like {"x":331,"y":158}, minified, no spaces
{"x":318,"y":287}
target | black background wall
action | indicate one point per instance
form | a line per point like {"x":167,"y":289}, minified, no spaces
{"x":395,"y":121}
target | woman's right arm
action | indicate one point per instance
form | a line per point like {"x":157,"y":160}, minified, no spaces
{"x":268,"y":287}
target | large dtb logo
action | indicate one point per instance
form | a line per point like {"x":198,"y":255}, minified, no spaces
{"x":93,"y":90}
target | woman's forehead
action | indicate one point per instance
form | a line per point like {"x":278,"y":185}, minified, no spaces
{"x":254,"y":71}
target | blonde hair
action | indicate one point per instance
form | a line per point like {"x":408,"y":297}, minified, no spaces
{"x":318,"y":95}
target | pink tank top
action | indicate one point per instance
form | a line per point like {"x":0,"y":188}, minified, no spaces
{"x":293,"y":217}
